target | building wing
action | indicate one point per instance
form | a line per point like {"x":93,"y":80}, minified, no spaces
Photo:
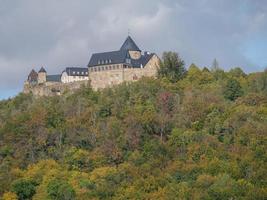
{"x":76,"y":71}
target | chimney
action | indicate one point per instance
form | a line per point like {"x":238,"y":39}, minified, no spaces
{"x":146,"y":53}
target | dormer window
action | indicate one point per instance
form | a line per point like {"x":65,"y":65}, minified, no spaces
{"x":109,"y":60}
{"x":73,"y":73}
{"x":78,"y":72}
{"x":128,"y":60}
{"x":98,"y":62}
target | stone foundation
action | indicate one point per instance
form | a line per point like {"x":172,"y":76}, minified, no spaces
{"x":52,"y":89}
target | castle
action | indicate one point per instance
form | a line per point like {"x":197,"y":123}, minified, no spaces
{"x":103,"y":70}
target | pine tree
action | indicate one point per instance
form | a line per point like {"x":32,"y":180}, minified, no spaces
{"x":232,"y":90}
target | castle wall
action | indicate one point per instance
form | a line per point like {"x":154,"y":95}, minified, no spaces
{"x":106,"y":78}
{"x":41,"y":77}
{"x":53,"y":88}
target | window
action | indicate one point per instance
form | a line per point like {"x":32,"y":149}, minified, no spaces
{"x":128,"y":60}
{"x":109,"y":60}
{"x":82,"y":73}
{"x":78,"y":72}
{"x":73,"y":72}
{"x":98,"y":62}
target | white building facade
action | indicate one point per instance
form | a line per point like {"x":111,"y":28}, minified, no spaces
{"x":74,"y":74}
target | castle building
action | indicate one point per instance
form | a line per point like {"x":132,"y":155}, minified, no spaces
{"x":127,"y":64}
{"x":106,"y":69}
{"x":41,"y":78}
{"x":42,"y":84}
{"x":73,"y":74}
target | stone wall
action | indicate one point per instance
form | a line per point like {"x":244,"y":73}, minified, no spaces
{"x":53,"y":88}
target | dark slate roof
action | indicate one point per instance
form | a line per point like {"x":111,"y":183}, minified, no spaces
{"x":53,"y":78}
{"x":33,"y":76}
{"x":42,"y":70}
{"x":76,"y":71}
{"x":120,"y":57}
{"x":143,"y":60}
{"x":106,"y":58}
{"x":129,"y":45}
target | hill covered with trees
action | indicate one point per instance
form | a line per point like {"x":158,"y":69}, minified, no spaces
{"x":189,"y":134}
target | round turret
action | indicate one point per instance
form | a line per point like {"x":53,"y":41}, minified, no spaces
{"x":41,"y":76}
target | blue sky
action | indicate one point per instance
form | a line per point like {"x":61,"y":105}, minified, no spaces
{"x":59,"y":34}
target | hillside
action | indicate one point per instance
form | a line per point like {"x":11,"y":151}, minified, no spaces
{"x":200,"y":137}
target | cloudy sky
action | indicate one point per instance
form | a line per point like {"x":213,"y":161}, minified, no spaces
{"x":63,"y":33}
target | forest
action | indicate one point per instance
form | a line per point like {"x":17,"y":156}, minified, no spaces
{"x":190,"y":133}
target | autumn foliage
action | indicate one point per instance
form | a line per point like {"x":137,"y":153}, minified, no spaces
{"x":198,"y":136}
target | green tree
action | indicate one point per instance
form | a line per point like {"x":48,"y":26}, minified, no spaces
{"x":232,"y":90}
{"x":60,"y":190}
{"x":24,"y":189}
{"x":237,"y":72}
{"x":172,"y":67}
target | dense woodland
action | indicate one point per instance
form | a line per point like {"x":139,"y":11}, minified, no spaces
{"x":188,"y":134}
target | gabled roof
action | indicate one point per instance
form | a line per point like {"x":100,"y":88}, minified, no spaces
{"x":33,"y":76}
{"x":33,"y":72}
{"x":129,"y":45}
{"x":76,"y":71}
{"x":143,"y":60}
{"x":120,"y":57}
{"x":53,"y":78}
{"x":42,"y":70}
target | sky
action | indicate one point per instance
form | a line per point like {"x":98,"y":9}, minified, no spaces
{"x":64,"y":33}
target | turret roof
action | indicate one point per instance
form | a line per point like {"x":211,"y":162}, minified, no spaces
{"x":42,"y":70}
{"x":129,"y":45}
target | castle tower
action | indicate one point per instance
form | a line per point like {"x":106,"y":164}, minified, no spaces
{"x":41,"y":76}
{"x":130,"y":46}
{"x":33,"y":77}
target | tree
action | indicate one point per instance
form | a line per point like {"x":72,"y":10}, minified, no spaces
{"x":60,"y":190}
{"x":172,"y":67}
{"x":237,"y":72}
{"x":24,"y":189}
{"x":232,"y":90}
{"x":10,"y":196}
